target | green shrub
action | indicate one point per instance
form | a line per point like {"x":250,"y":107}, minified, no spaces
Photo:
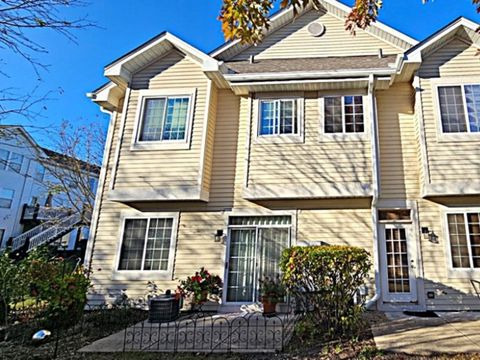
{"x":325,"y":281}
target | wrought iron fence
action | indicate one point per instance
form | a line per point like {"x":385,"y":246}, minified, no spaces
{"x":209,"y":333}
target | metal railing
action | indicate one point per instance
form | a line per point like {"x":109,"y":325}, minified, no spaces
{"x":37,"y":212}
{"x":214,"y":333}
{"x":19,"y":241}
{"x":56,"y":230}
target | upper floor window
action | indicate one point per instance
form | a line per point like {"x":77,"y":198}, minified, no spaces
{"x":343,"y":114}
{"x":279,"y":117}
{"x":460,"y":108}
{"x":10,"y":160}
{"x":164,"y":119}
{"x":147,"y":244}
{"x":6,"y":198}
{"x":39,"y":174}
{"x":464,"y":236}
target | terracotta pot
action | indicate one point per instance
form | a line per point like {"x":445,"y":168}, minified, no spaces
{"x":268,"y":307}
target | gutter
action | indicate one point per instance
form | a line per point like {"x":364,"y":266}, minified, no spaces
{"x":308,"y":75}
{"x":376,"y":186}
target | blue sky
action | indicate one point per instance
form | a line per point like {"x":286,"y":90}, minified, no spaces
{"x":76,"y":68}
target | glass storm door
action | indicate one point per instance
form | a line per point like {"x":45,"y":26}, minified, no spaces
{"x":253,"y":253}
{"x":398,"y":264}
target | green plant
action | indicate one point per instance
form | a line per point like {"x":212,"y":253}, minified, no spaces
{"x":200,"y":285}
{"x":272,"y":290}
{"x":325,"y":280}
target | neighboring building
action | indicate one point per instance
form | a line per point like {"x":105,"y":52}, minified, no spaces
{"x":28,"y":204}
{"x":311,"y":137}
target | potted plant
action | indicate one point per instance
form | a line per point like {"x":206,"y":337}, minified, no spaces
{"x":272,"y":292}
{"x":200,"y":286}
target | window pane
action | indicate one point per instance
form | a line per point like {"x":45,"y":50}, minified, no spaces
{"x":451,"y":109}
{"x":132,"y":245}
{"x":458,"y":241}
{"x":333,"y":115}
{"x":158,"y":244}
{"x":6,"y":198}
{"x":472,"y":95}
{"x":176,"y":119}
{"x":15,"y":162}
{"x":3,"y":159}
{"x":152,"y":119}
{"x":267,"y":117}
{"x":2,"y":233}
{"x":288,"y":117}
{"x":39,"y":173}
{"x":474,"y":232}
{"x":354,"y":114}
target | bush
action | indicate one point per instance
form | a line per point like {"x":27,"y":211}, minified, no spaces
{"x":325,"y":281}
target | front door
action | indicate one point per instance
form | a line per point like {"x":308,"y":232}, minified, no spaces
{"x":254,"y":249}
{"x":398,"y":251}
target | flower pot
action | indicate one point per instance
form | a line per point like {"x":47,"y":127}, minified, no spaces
{"x":268,"y":307}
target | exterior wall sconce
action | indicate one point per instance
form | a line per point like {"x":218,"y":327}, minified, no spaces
{"x":219,"y":236}
{"x":430,"y":235}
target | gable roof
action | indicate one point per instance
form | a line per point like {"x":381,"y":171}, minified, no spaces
{"x":120,"y":70}
{"x":334,"y":7}
{"x":442,"y":36}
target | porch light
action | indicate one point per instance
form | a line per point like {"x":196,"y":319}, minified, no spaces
{"x":430,"y":235}
{"x":219,"y":236}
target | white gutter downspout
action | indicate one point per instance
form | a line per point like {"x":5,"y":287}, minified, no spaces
{"x":376,"y":186}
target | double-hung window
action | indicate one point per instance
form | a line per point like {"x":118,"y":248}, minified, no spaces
{"x":279,"y":117}
{"x":164,"y":119}
{"x":343,"y":114}
{"x":459,"y":108}
{"x":10,"y":160}
{"x":464,"y":239}
{"x":147,"y":244}
{"x":6,"y":198}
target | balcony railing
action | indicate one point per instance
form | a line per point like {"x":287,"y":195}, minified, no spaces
{"x":43,"y":213}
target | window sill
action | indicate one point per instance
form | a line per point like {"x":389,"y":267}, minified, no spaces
{"x":128,"y":275}
{"x":160,"y":146}
{"x":463,"y":273}
{"x":340,"y":137}
{"x":458,"y":137}
{"x":279,"y":139}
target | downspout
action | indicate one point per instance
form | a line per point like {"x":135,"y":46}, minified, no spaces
{"x":376,"y":186}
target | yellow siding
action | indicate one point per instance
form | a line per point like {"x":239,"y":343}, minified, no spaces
{"x":314,"y":161}
{"x":209,"y":142}
{"x":399,"y":163}
{"x":450,"y":293}
{"x":293,"y":40}
{"x":448,"y":161}
{"x":155,"y":168}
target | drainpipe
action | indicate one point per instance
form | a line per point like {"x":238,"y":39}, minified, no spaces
{"x":376,"y":186}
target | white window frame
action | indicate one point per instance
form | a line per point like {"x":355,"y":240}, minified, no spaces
{"x":9,"y":157}
{"x":279,"y":138}
{"x":146,"y":274}
{"x":453,"y":81}
{"x":458,"y":272}
{"x":12,"y":198}
{"x":143,"y":95}
{"x":344,"y":136}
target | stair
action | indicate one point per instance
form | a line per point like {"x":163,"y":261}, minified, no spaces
{"x":46,"y":232}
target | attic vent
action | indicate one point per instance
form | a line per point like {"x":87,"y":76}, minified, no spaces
{"x":316,"y":29}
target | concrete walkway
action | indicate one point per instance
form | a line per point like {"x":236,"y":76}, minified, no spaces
{"x":451,"y":332}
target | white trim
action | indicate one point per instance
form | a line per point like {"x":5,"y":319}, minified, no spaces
{"x":146,"y":274}
{"x":183,"y":144}
{"x":121,"y":129}
{"x":247,"y":213}
{"x":117,"y":69}
{"x":100,"y":191}
{"x":465,"y":187}
{"x":248,"y":143}
{"x":288,"y":12}
{"x":460,"y":81}
{"x":161,"y":193}
{"x":307,"y":75}
{"x":421,"y":123}
{"x":344,"y":136}
{"x":279,"y":138}
{"x":458,"y":273}
{"x":415,"y":54}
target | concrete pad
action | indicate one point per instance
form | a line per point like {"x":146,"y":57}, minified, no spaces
{"x":450,"y":333}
